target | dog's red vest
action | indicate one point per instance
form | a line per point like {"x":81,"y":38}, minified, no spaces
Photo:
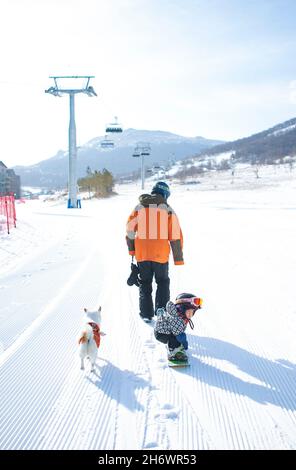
{"x":96,"y":332}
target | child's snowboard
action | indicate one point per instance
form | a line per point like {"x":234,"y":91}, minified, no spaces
{"x":177,"y":363}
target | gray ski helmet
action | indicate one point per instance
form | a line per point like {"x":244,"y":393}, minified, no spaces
{"x":184,"y":295}
{"x":161,"y":188}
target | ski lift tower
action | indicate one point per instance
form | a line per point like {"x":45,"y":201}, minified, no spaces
{"x":58,"y":91}
{"x":142,"y":150}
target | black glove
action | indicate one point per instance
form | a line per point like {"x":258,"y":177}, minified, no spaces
{"x":134,"y":278}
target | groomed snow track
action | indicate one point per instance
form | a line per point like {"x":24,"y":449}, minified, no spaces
{"x":232,"y":397}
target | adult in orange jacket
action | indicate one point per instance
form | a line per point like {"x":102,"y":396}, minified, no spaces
{"x":153,"y":230}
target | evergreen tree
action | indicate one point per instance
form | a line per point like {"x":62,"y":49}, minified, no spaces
{"x":100,"y":183}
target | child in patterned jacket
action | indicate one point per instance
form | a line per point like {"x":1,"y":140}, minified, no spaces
{"x":171,"y":324}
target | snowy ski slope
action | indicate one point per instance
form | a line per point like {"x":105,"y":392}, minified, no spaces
{"x":239,"y":392}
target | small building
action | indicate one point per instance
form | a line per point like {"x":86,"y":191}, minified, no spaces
{"x":9,"y":182}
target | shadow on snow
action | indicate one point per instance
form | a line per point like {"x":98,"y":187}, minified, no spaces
{"x":120,"y":385}
{"x":278,"y":378}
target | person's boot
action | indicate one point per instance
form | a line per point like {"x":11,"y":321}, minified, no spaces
{"x":177,"y":354}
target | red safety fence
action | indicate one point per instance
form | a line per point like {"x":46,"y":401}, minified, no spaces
{"x":7,"y":212}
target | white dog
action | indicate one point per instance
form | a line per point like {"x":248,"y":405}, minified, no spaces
{"x":89,"y":339}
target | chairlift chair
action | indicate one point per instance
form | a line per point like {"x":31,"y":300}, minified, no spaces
{"x":114,"y":127}
{"x":137,"y":152}
{"x":145,"y":149}
{"x":106,"y":143}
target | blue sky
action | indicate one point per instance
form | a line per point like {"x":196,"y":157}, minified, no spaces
{"x":216,"y":68}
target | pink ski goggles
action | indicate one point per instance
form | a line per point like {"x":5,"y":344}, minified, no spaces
{"x":196,"y":302}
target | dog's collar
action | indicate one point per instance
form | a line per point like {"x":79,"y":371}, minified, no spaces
{"x":94,"y":326}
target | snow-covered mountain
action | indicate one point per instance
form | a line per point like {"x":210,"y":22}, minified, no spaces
{"x":267,"y":147}
{"x":165,"y":147}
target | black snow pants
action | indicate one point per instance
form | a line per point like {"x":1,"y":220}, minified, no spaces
{"x":148,"y":271}
{"x":170,"y":339}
